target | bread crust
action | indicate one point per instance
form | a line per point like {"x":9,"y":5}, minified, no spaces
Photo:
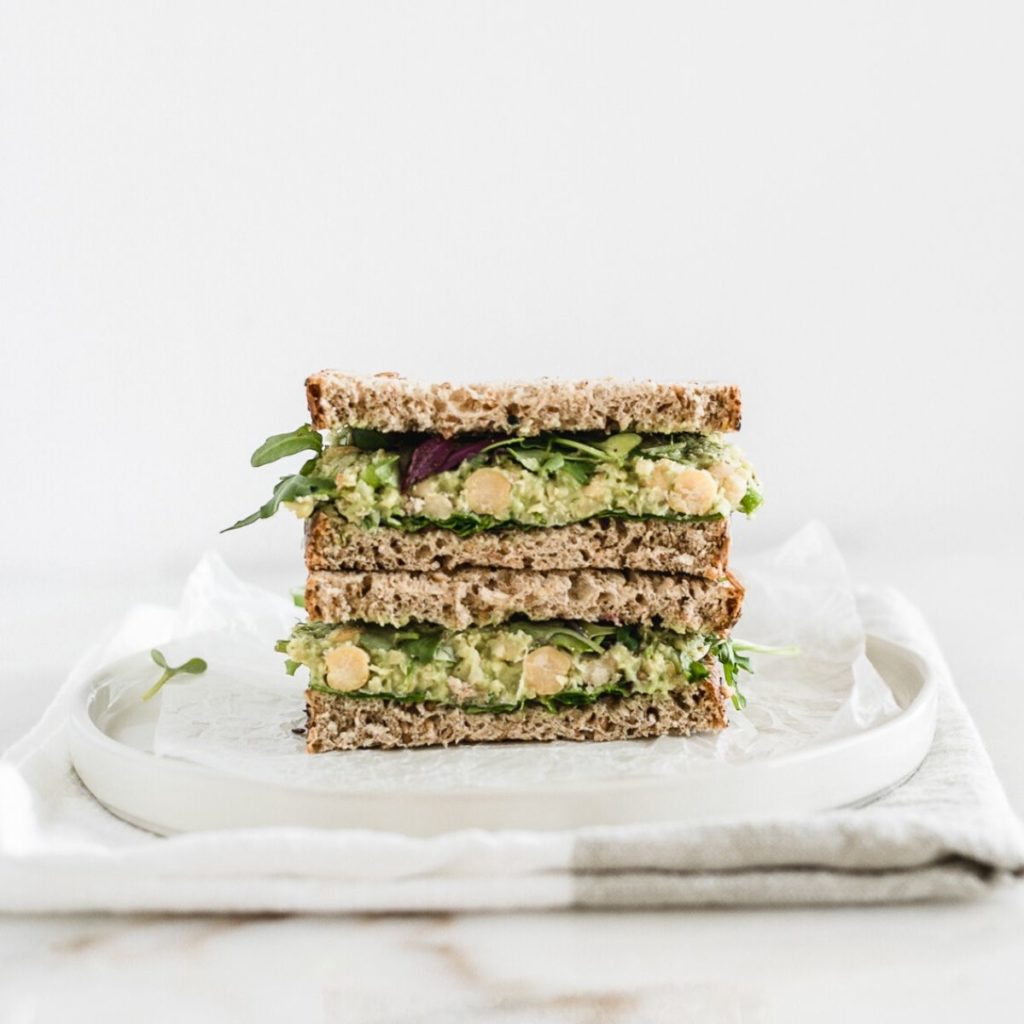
{"x":391,"y":403}
{"x":656,"y":545}
{"x":467,"y":597}
{"x":346,"y":723}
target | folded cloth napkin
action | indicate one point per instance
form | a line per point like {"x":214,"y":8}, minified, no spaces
{"x":948,"y":832}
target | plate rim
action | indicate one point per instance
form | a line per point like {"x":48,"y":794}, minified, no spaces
{"x":922,"y":705}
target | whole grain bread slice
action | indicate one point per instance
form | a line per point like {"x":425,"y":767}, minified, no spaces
{"x":391,"y":403}
{"x":656,"y":545}
{"x":339,"y":722}
{"x":467,"y":597}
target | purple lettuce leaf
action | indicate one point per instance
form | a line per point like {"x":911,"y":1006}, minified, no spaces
{"x":438,"y":455}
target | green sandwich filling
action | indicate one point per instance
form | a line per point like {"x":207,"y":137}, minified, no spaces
{"x":467,"y":485}
{"x":502,"y":668}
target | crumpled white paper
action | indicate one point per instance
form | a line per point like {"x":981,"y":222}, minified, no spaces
{"x":240,"y":715}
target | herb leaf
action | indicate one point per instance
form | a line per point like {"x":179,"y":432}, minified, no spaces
{"x":369,"y":440}
{"x":697,"y":671}
{"x":280,"y":446}
{"x":192,"y":667}
{"x":733,"y":662}
{"x":375,"y":639}
{"x":618,"y":446}
{"x":466,"y":524}
{"x":628,"y":638}
{"x":288,"y":489}
{"x":423,"y":648}
{"x":565,"y":699}
{"x":582,"y":698}
{"x":421,"y":643}
{"x":559,"y":634}
{"x":581,"y":472}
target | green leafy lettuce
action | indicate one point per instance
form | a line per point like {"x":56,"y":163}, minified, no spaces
{"x":289,"y":488}
{"x":280,"y":446}
{"x":555,"y":702}
{"x":466,"y":524}
{"x":579,"y":455}
{"x":428,"y":643}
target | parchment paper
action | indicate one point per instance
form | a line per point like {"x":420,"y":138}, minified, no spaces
{"x":240,"y":715}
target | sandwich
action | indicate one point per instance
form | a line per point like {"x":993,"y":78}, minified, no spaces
{"x":526,"y":561}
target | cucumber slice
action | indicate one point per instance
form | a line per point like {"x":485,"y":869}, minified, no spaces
{"x":618,"y":446}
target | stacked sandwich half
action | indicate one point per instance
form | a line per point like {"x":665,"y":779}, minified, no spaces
{"x":530,"y":561}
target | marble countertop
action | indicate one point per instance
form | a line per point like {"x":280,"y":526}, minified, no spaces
{"x":933,"y":963}
{"x":928,"y":963}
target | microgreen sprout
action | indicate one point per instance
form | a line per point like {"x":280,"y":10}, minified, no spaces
{"x":192,"y":667}
{"x":733,"y":656}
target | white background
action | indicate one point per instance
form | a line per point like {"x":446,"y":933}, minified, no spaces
{"x":200,"y":203}
{"x":204,"y":202}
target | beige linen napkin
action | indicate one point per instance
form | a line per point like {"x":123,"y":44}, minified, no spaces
{"x":948,"y":832}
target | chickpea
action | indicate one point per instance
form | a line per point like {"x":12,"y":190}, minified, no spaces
{"x":663,"y":475}
{"x":597,"y":672}
{"x":732,"y":480}
{"x":545,"y":670}
{"x":343,"y":635}
{"x":693,"y":492}
{"x":437,"y":506}
{"x":460,"y":688}
{"x":488,"y":491}
{"x":503,"y":649}
{"x":348,"y":668}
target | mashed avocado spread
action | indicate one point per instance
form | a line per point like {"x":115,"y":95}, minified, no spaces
{"x":497,"y":668}
{"x":467,"y":485}
{"x":545,"y":481}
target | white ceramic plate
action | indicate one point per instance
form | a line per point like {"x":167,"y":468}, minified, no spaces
{"x":112,"y":743}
